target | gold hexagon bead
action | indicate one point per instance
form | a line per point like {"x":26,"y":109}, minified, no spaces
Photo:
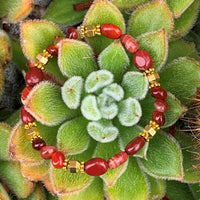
{"x":73,"y":166}
{"x":150,"y":130}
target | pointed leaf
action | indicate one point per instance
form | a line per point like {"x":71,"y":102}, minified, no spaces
{"x":114,"y":59}
{"x":164,"y":158}
{"x":44,"y":102}
{"x":97,"y":80}
{"x":106,"y":151}
{"x":158,"y":16}
{"x":183,"y":71}
{"x":3,"y":193}
{"x":98,"y":14}
{"x":71,"y":92}
{"x":72,"y":136}
{"x":75,"y":58}
{"x":129,"y":112}
{"x":136,"y":188}
{"x":38,"y":193}
{"x":135,"y":85}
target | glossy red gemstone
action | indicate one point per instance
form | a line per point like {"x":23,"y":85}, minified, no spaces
{"x":38,"y":143}
{"x":26,"y":117}
{"x":53,"y":50}
{"x":33,"y":76}
{"x":158,"y":92}
{"x":117,"y":160}
{"x":135,"y":145}
{"x":46,"y":152}
{"x":142,"y":60}
{"x":58,"y":159}
{"x":111,"y":31}
{"x":158,"y":117}
{"x":25,"y":92}
{"x":165,"y":198}
{"x":161,"y":105}
{"x":96,"y":166}
{"x":72,"y":33}
{"x":129,"y":42}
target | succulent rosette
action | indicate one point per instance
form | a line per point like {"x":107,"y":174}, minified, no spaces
{"x":92,"y":107}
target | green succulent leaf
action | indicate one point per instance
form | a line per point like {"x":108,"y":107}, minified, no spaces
{"x":72,"y":136}
{"x":183,"y":24}
{"x":3,"y":193}
{"x":11,"y":174}
{"x":98,"y":14}
{"x":186,"y":70}
{"x":1,"y":81}
{"x":137,"y":187}
{"x":93,"y":192}
{"x":114,"y":59}
{"x":158,"y":16}
{"x":102,"y":131}
{"x":164,"y":158}
{"x":97,"y":80}
{"x":135,"y":85}
{"x":45,"y":103}
{"x":109,"y":112}
{"x":71,"y":92}
{"x":195,"y":189}
{"x":14,"y":118}
{"x":129,"y":112}
{"x":75,"y":58}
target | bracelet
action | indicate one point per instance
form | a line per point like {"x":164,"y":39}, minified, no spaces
{"x":141,"y":59}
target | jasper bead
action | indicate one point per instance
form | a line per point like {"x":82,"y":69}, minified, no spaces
{"x":38,"y":143}
{"x":34,"y":76}
{"x":53,"y":50}
{"x":26,"y":117}
{"x":25,"y":92}
{"x":58,"y":159}
{"x":158,"y":92}
{"x":142,"y":60}
{"x":135,"y":145}
{"x":111,"y":31}
{"x":129,"y":43}
{"x":96,"y":166}
{"x":72,"y":33}
{"x":46,"y":152}
{"x":158,"y":117}
{"x":117,"y":160}
{"x":161,"y":105}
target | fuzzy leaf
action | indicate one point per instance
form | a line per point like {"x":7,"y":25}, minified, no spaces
{"x":66,"y":15}
{"x":136,"y":188}
{"x":50,"y":187}
{"x":195,"y":190}
{"x":186,"y":71}
{"x":11,"y":174}
{"x":3,"y":193}
{"x":183,"y":24}
{"x":164,"y":158}
{"x":109,"y":112}
{"x":14,"y":118}
{"x":71,"y":92}
{"x":93,"y":192}
{"x":98,"y":14}
{"x":129,"y":112}
{"x":97,"y":80}
{"x":158,"y":16}
{"x":38,"y":193}
{"x":102,"y":131}
{"x":45,"y":103}
{"x":135,"y":85}
{"x":72,"y":136}
{"x":114,"y":59}
{"x":106,"y":151}
{"x":128,"y":4}
{"x":175,"y":110}
{"x":1,"y":81}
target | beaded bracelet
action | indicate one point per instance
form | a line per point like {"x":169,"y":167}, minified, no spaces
{"x":141,"y":59}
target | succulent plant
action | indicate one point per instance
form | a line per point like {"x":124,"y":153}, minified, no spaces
{"x":95,"y":106}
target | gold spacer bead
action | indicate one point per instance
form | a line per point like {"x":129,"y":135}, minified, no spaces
{"x":30,"y":125}
{"x":145,"y":135}
{"x":154,"y":125}
{"x":82,"y":167}
{"x":153,"y":77}
{"x":65,"y":164}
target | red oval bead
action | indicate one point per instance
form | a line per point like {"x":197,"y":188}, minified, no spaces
{"x":129,"y":42}
{"x":161,"y":105}
{"x":72,"y":33}
{"x":33,"y":76}
{"x":58,"y":159}
{"x":53,"y":50}
{"x":38,"y":143}
{"x":46,"y":152}
{"x":117,"y":160}
{"x":111,"y":31}
{"x":165,"y":198}
{"x":158,"y":117}
{"x":158,"y":92}
{"x":25,"y":92}
{"x":96,"y":166}
{"x":26,"y":117}
{"x":142,"y":60}
{"x":135,"y":145}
